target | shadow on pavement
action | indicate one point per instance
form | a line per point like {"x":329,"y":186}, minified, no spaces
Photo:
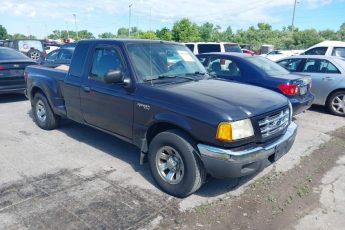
{"x":129,"y":153}
{"x":8,"y":98}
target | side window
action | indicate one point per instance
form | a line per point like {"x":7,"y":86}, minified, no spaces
{"x":65,"y":55}
{"x":190,"y":46}
{"x":207,"y":48}
{"x":52,"y":55}
{"x":316,"y":51}
{"x":291,"y":64}
{"x":311,"y":66}
{"x":327,"y":67}
{"x":338,"y":51}
{"x":224,"y":67}
{"x":105,"y":59}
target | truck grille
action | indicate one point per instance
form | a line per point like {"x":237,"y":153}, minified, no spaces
{"x":274,"y":123}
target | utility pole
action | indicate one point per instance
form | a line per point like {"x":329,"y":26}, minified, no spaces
{"x":75,"y":24}
{"x":129,"y":19}
{"x":293,"y":16}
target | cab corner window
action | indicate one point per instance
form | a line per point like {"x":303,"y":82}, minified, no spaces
{"x":105,"y":59}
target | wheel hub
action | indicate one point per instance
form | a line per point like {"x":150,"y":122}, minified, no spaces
{"x":172,"y":163}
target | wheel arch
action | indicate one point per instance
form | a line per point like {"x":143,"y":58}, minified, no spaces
{"x":334,"y":91}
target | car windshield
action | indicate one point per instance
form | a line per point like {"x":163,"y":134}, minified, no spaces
{"x":269,"y":67}
{"x":26,"y":45}
{"x":160,"y":60}
{"x":9,"y":54}
{"x":232,"y":48}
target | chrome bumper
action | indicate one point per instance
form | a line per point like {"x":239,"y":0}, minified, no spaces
{"x":226,"y":154}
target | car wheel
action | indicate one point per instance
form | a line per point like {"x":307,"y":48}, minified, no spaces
{"x":174,"y":163}
{"x":34,"y":54}
{"x":43,"y":114}
{"x":336,"y":103}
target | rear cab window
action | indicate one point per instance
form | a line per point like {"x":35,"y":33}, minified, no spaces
{"x":208,"y":48}
{"x":191,"y":47}
{"x":316,"y":51}
{"x":232,"y":48}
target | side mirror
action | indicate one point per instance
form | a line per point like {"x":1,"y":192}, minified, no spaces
{"x":113,"y":76}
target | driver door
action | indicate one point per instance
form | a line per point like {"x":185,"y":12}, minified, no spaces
{"x":107,"y":106}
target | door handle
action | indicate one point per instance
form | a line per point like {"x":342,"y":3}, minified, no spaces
{"x":328,"y":78}
{"x":86,"y":89}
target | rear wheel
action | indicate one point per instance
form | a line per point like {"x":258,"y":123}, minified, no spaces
{"x":174,"y":163}
{"x":34,"y":54}
{"x":43,"y":114}
{"x":336,"y":103}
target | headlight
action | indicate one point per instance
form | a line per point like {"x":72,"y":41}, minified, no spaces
{"x":229,"y":131}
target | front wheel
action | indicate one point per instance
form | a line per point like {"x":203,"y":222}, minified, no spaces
{"x":43,"y":114}
{"x":174,"y":163}
{"x":336,"y":103}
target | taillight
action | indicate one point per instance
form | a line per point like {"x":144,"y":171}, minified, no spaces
{"x":288,"y":89}
{"x":1,"y":67}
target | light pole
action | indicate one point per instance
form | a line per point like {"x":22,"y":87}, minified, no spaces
{"x":293,"y":16}
{"x":75,"y":24}
{"x":129,"y":19}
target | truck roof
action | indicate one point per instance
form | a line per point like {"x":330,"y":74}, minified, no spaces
{"x":127,"y":40}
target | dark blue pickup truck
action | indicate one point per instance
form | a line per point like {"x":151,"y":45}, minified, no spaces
{"x":158,"y":96}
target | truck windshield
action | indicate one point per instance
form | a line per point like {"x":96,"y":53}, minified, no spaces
{"x":153,"y":61}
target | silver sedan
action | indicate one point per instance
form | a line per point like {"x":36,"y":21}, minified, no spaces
{"x":328,"y":78}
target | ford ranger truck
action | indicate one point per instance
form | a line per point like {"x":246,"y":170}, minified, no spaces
{"x":158,"y":96}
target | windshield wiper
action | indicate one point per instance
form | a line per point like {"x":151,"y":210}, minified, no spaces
{"x":171,"y":76}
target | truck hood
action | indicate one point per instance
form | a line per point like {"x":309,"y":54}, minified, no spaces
{"x":229,"y":100}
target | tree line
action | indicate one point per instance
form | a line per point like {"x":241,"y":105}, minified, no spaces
{"x":185,"y":30}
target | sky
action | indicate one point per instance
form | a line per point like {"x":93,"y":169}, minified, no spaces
{"x":41,"y":17}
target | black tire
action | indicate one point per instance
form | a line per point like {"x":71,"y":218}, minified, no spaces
{"x":194,"y":173}
{"x":34,"y":54}
{"x":332,"y":103}
{"x":43,"y":114}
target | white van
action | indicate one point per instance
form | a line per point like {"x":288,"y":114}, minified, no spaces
{"x":208,"y":47}
{"x":327,"y":48}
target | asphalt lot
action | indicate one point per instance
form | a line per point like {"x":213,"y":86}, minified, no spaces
{"x":77,"y":177}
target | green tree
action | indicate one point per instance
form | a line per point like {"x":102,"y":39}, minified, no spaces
{"x":341,"y":33}
{"x":164,"y":34}
{"x":147,"y":35}
{"x":206,"y":31}
{"x":122,"y":32}
{"x":228,"y":35}
{"x":3,"y":33}
{"x":82,"y":34}
{"x":107,"y":35}
{"x":185,"y":31}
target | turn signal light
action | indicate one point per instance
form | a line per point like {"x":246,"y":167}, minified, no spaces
{"x":288,"y":89}
{"x":224,"y":131}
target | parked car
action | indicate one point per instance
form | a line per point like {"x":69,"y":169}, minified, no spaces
{"x":279,"y":54}
{"x":259,"y":71}
{"x":69,"y":45}
{"x":266,"y":48}
{"x":32,"y":48}
{"x":188,"y":123}
{"x":328,"y":76}
{"x":247,"y":51}
{"x":12,"y":65}
{"x":207,"y":47}
{"x":57,"y":57}
{"x":327,"y":48}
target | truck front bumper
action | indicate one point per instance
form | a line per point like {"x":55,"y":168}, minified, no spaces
{"x":227,"y":163}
